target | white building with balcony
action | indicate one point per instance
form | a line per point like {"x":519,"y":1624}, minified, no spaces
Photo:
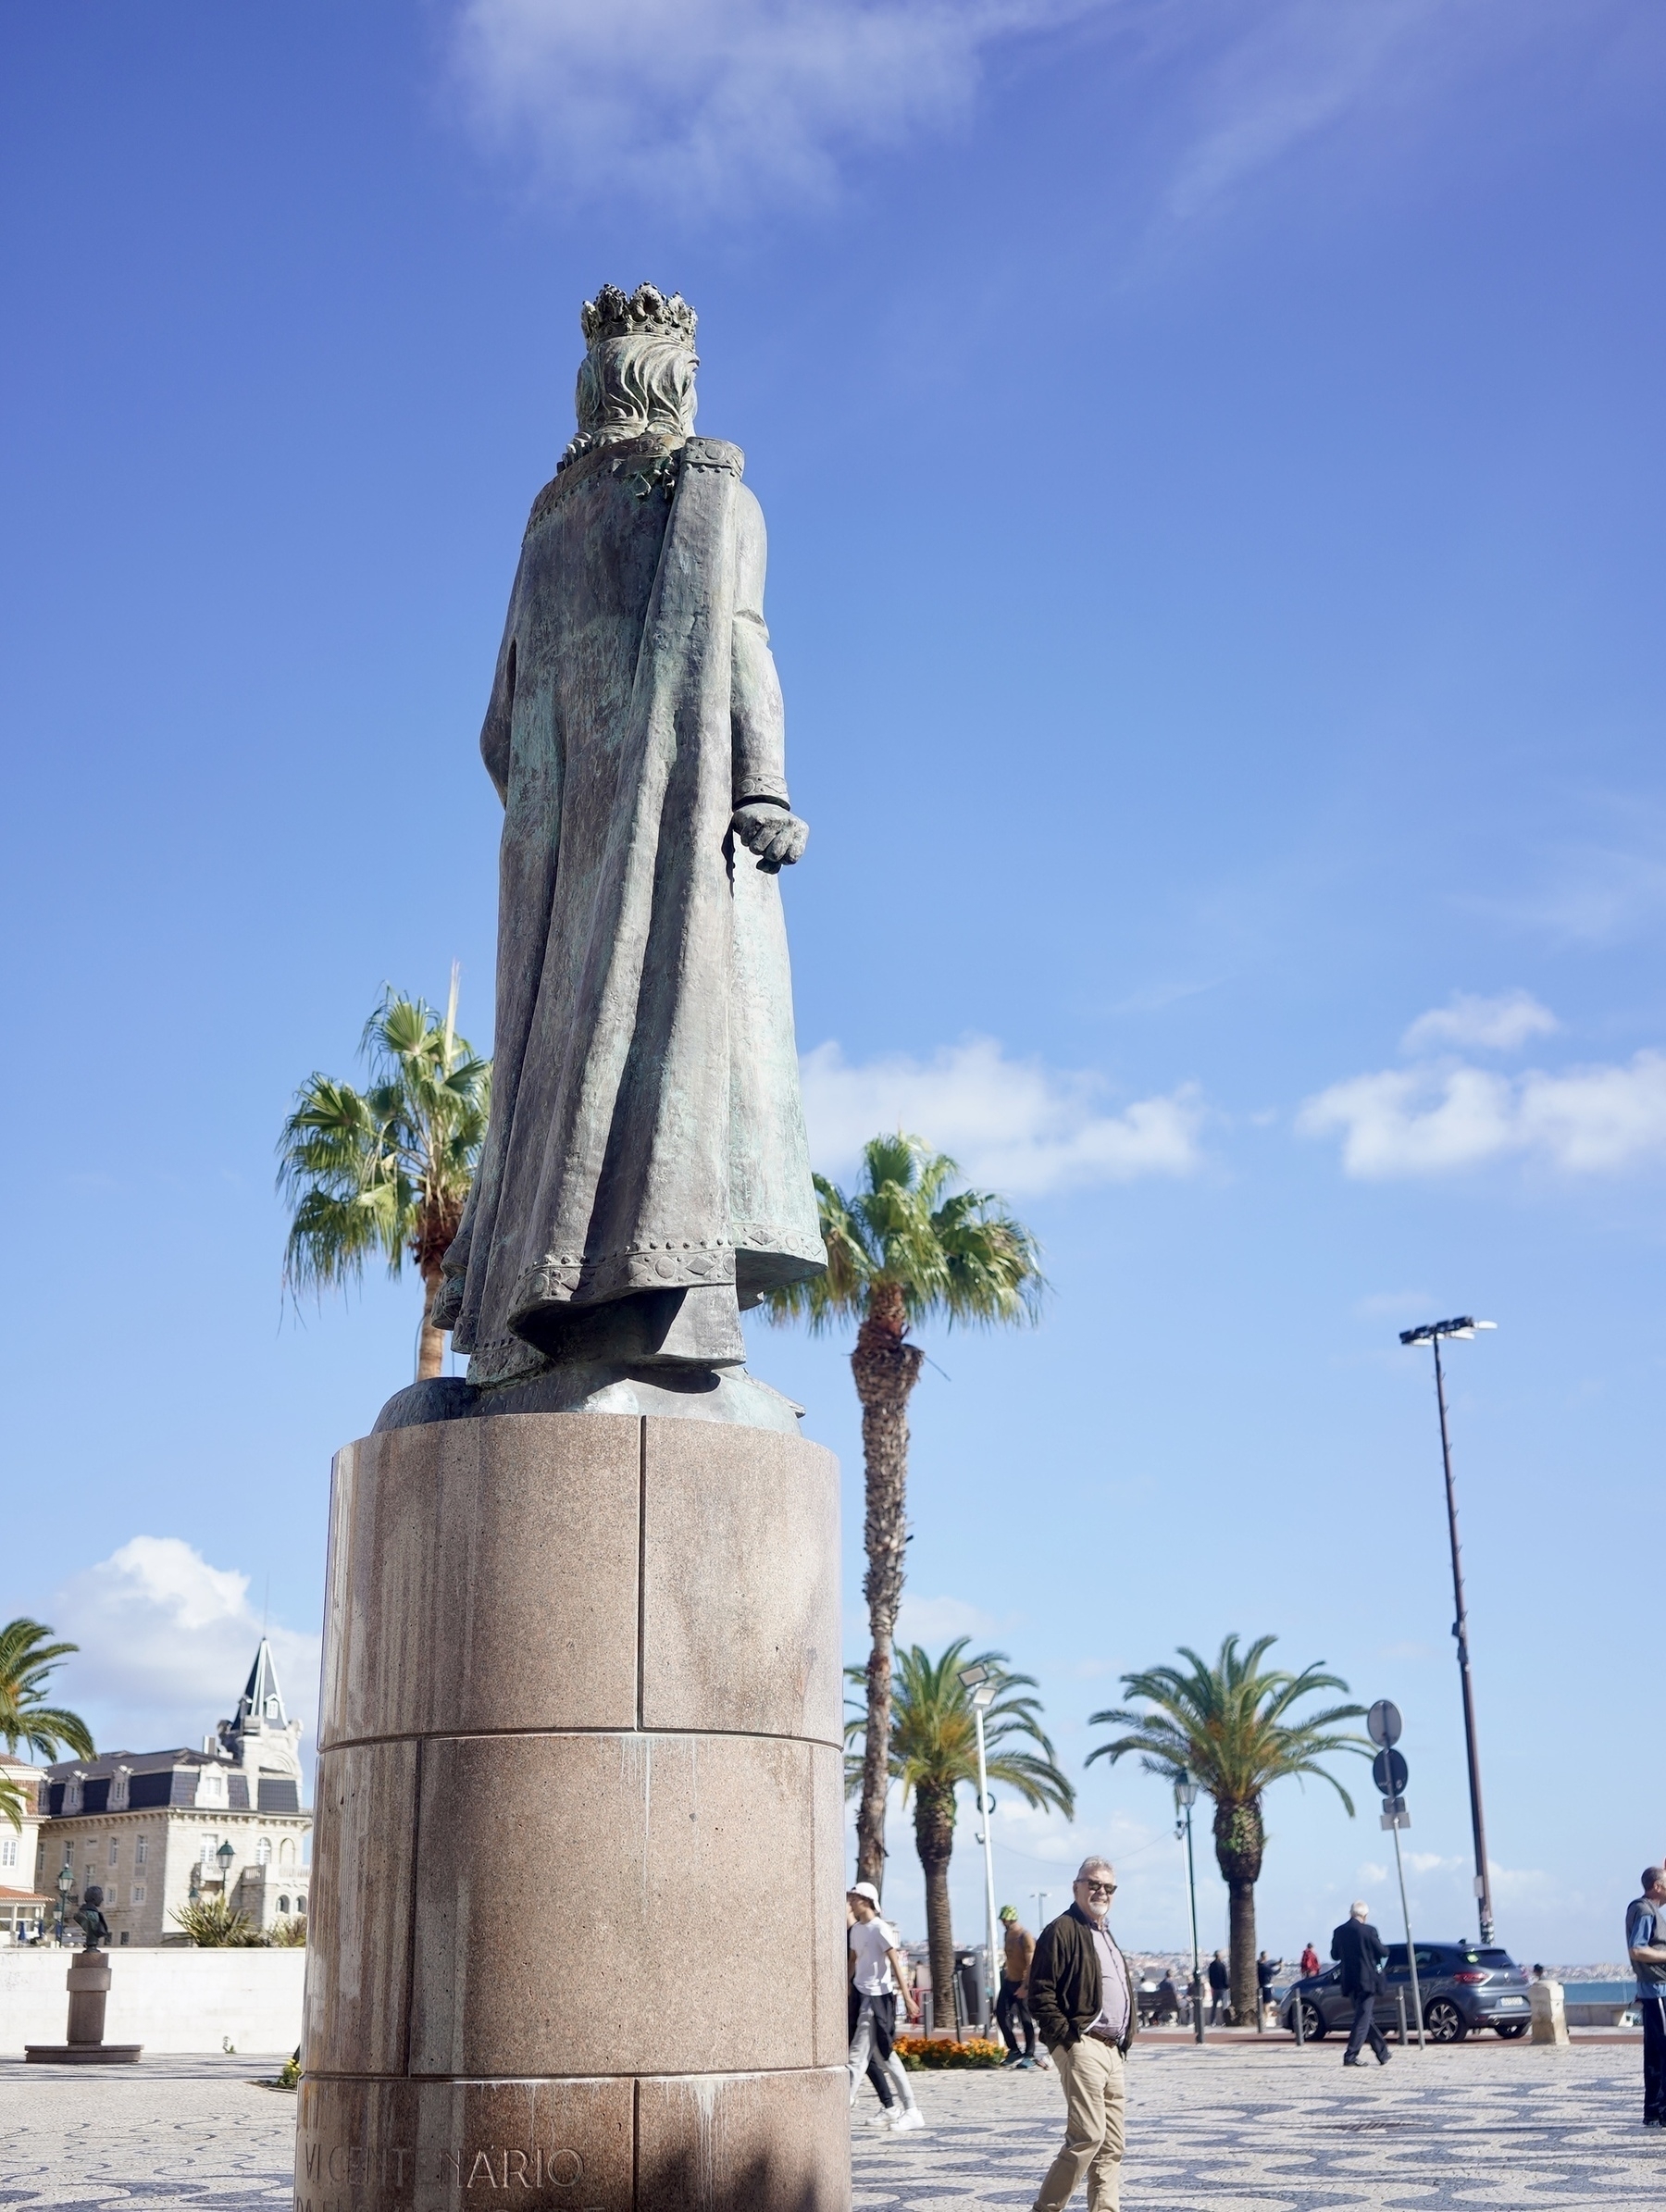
{"x":156,"y":1828}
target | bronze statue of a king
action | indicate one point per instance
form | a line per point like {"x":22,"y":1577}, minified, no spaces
{"x":645,"y":1174}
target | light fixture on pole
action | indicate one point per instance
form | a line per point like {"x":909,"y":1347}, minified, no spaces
{"x":226,"y":1854}
{"x":66,"y":1882}
{"x":983,"y":1683}
{"x":1432,"y":1332}
{"x":1186,"y":1797}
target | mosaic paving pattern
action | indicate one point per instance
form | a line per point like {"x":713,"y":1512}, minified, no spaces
{"x":167,"y":2133}
{"x":1226,"y":2131}
{"x":1236,"y":2130}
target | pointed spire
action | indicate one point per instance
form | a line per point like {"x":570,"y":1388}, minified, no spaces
{"x":262,"y":1699}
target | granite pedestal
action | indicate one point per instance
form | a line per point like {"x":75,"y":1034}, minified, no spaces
{"x":89,"y":1985}
{"x":576,"y":1936}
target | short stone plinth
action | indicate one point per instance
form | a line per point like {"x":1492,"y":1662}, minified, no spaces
{"x":88,"y":1982}
{"x":576,"y":1936}
{"x":1549,"y":2012}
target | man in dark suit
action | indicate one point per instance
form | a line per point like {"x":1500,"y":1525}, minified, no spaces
{"x":1359,"y":1948}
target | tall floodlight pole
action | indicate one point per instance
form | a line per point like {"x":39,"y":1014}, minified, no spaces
{"x":1186,"y":1797}
{"x":981,"y":1681}
{"x":1432,"y":1333}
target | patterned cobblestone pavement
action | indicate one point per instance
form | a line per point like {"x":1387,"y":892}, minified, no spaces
{"x":1229,"y":2130}
{"x":168,"y":2132}
{"x":1236,"y":2130}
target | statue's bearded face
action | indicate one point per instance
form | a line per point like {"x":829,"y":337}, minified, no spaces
{"x":629,"y":386}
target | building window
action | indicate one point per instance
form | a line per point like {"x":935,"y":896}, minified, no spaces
{"x":263,"y":1852}
{"x":206,"y":1853}
{"x":286,"y":1852}
{"x":136,"y":1894}
{"x":115,"y":1850}
{"x":9,"y":1851}
{"x":124,"y":1935}
{"x":301,"y":1907}
{"x":141,"y":1851}
{"x":283,"y":1904}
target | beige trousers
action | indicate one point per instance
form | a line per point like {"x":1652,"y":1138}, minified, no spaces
{"x":1091,"y":2073}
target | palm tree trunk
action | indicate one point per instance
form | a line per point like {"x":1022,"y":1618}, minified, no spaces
{"x":1240,"y":1842}
{"x":934,"y":1840}
{"x":430,"y":1341}
{"x":1245,"y":1991}
{"x":886,"y":1369}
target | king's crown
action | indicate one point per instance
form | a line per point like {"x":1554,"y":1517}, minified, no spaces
{"x":612,"y":314}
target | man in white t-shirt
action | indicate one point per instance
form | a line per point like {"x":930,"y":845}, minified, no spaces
{"x":879,"y":1973}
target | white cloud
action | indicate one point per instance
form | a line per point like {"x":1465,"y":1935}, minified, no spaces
{"x":699,"y":102}
{"x":1294,"y":71}
{"x":167,"y":1641}
{"x":1014,"y":1125}
{"x":935,"y":1621}
{"x":1435,"y":1121}
{"x":694,"y":104}
{"x":1500,"y":1024}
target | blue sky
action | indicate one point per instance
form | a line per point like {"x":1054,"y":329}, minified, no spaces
{"x":1214,"y":464}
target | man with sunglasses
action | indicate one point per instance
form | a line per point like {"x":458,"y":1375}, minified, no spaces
{"x":1082,"y":1995}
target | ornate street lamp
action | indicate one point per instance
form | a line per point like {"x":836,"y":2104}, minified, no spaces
{"x":66,"y":1882}
{"x":226,"y":1854}
{"x":982,"y":1682}
{"x":1186,"y":1797}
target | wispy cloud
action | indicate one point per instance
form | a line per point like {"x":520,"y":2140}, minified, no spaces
{"x":703,"y":104}
{"x":707,"y":102}
{"x":1291,"y":72}
{"x":167,"y":1640}
{"x":1446,"y":1115}
{"x":1500,"y":1024}
{"x":1015,"y":1124}
{"x":1437,"y":1121}
{"x":937,"y":1620}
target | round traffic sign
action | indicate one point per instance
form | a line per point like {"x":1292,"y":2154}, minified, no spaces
{"x":1388,"y":1770}
{"x":1383,"y":1722}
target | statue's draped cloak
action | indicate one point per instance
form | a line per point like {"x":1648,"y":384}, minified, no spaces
{"x":646,"y":1128}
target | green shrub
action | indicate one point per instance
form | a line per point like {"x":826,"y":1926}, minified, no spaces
{"x":213,"y":1925}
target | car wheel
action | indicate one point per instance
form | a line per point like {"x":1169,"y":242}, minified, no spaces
{"x":1312,"y":2023}
{"x":1444,"y":2023}
{"x":1510,"y":2029}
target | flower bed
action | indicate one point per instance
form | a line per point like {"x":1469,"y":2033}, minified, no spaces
{"x":921,"y":2051}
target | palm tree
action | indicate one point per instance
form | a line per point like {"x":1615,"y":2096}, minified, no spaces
{"x":934,"y":1749}
{"x":387,"y":1170}
{"x":1231,"y":1726}
{"x":27,"y":1658}
{"x":902,"y":1248}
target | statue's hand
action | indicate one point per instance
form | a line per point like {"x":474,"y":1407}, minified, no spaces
{"x":776,"y":837}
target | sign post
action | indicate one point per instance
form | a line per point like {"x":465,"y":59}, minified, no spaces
{"x":1389,"y":1771}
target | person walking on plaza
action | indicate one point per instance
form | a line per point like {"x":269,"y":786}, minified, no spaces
{"x":1220,"y":1980}
{"x":1359,"y":1947}
{"x":1309,"y":1961}
{"x":1646,"y":1943}
{"x":879,"y":1973}
{"x":1168,"y":1999}
{"x":1082,"y":1995}
{"x":1011,"y":2006}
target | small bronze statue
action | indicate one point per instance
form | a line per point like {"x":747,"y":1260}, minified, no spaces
{"x":91,"y":1920}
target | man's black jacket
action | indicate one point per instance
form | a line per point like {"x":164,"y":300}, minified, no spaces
{"x":1067,"y":1991}
{"x":1360,"y":1948}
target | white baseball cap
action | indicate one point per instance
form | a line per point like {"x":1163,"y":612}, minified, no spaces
{"x":863,"y":1889}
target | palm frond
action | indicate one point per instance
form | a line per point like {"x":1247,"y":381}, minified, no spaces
{"x":1230,"y":1722}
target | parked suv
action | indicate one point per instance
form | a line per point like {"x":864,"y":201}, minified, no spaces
{"x":1463,"y":1986}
